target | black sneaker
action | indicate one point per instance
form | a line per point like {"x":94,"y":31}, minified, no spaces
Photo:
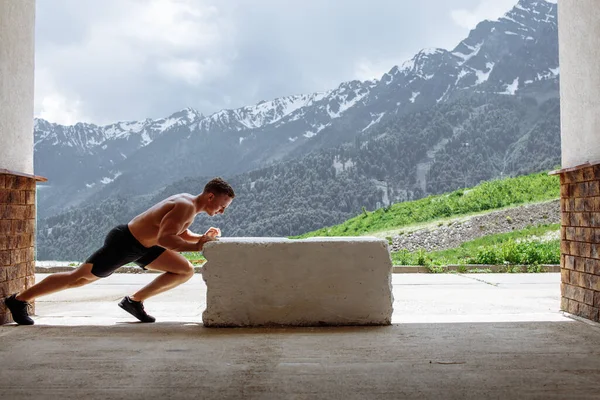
{"x":136,"y":308}
{"x":18,"y":309}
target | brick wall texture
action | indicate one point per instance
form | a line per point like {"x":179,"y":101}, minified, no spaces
{"x":17,"y":237}
{"x":580,"y":242}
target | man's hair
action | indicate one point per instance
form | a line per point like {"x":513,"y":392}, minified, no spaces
{"x":218,"y":186}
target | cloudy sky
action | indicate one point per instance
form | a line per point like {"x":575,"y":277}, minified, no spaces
{"x":103,"y":61}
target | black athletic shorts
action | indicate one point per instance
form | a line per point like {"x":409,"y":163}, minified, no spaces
{"x":120,"y":248}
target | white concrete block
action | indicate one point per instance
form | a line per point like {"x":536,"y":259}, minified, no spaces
{"x":308,"y":282}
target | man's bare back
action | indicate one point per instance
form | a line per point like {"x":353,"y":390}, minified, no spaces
{"x":146,"y":226}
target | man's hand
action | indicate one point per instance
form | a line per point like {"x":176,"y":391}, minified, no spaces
{"x":203,"y":240}
{"x":213,"y":232}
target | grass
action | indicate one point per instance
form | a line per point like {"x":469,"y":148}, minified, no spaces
{"x":195,"y":257}
{"x":489,"y":195}
{"x":522,"y":247}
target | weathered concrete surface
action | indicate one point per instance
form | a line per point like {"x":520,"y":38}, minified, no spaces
{"x":458,"y":337}
{"x":543,"y":360}
{"x":418,"y":298}
{"x":310,"y":282}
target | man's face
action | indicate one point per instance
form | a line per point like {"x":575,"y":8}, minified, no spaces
{"x":217,"y":204}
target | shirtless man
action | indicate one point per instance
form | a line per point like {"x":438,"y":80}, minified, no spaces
{"x":152,"y":240}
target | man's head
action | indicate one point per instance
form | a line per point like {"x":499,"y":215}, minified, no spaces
{"x":219,"y":194}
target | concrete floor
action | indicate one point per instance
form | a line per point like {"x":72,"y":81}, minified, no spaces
{"x":454,"y":337}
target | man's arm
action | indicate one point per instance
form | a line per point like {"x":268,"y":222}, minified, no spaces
{"x":170,"y":226}
{"x":190,"y":236}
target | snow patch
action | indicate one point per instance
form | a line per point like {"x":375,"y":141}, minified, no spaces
{"x":443,"y":95}
{"x":512,"y":88}
{"x":107,"y":180}
{"x":483,"y":76}
{"x":296,"y":116}
{"x":191,"y":115}
{"x":269,"y":112}
{"x":408,"y":65}
{"x":373,"y":122}
{"x":310,"y":134}
{"x":346,"y":104}
{"x":135,"y":127}
{"x":513,"y":20}
{"x":145,"y":139}
{"x":414,"y":96}
{"x":165,"y":124}
{"x":460,"y":75}
{"x":553,"y":72}
{"x":467,"y":57}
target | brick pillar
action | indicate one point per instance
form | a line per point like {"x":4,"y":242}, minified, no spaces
{"x":580,"y":243}
{"x":17,"y":236}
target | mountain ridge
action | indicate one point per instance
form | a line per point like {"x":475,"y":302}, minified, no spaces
{"x":509,"y":76}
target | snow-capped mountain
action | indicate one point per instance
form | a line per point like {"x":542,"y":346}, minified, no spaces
{"x":514,"y":55}
{"x":87,"y":137}
{"x":517,"y":51}
{"x":88,"y":152}
{"x":261,"y":114}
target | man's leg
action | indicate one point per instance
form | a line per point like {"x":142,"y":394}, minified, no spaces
{"x":18,"y":303}
{"x":59,"y":281}
{"x":177,"y":270}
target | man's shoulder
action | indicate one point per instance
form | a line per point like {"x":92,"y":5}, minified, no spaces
{"x":181,"y":200}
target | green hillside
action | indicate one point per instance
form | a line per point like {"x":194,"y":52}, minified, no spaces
{"x":487,"y":196}
{"x":530,"y":246}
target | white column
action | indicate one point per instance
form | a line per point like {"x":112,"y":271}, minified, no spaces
{"x":579,"y":44}
{"x":17,"y":27}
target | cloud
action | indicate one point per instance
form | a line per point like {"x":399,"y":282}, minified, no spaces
{"x":192,"y":72}
{"x":52,"y":104}
{"x":104,"y":61}
{"x":131,"y":51}
{"x":366,"y":69}
{"x":485,"y":9}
